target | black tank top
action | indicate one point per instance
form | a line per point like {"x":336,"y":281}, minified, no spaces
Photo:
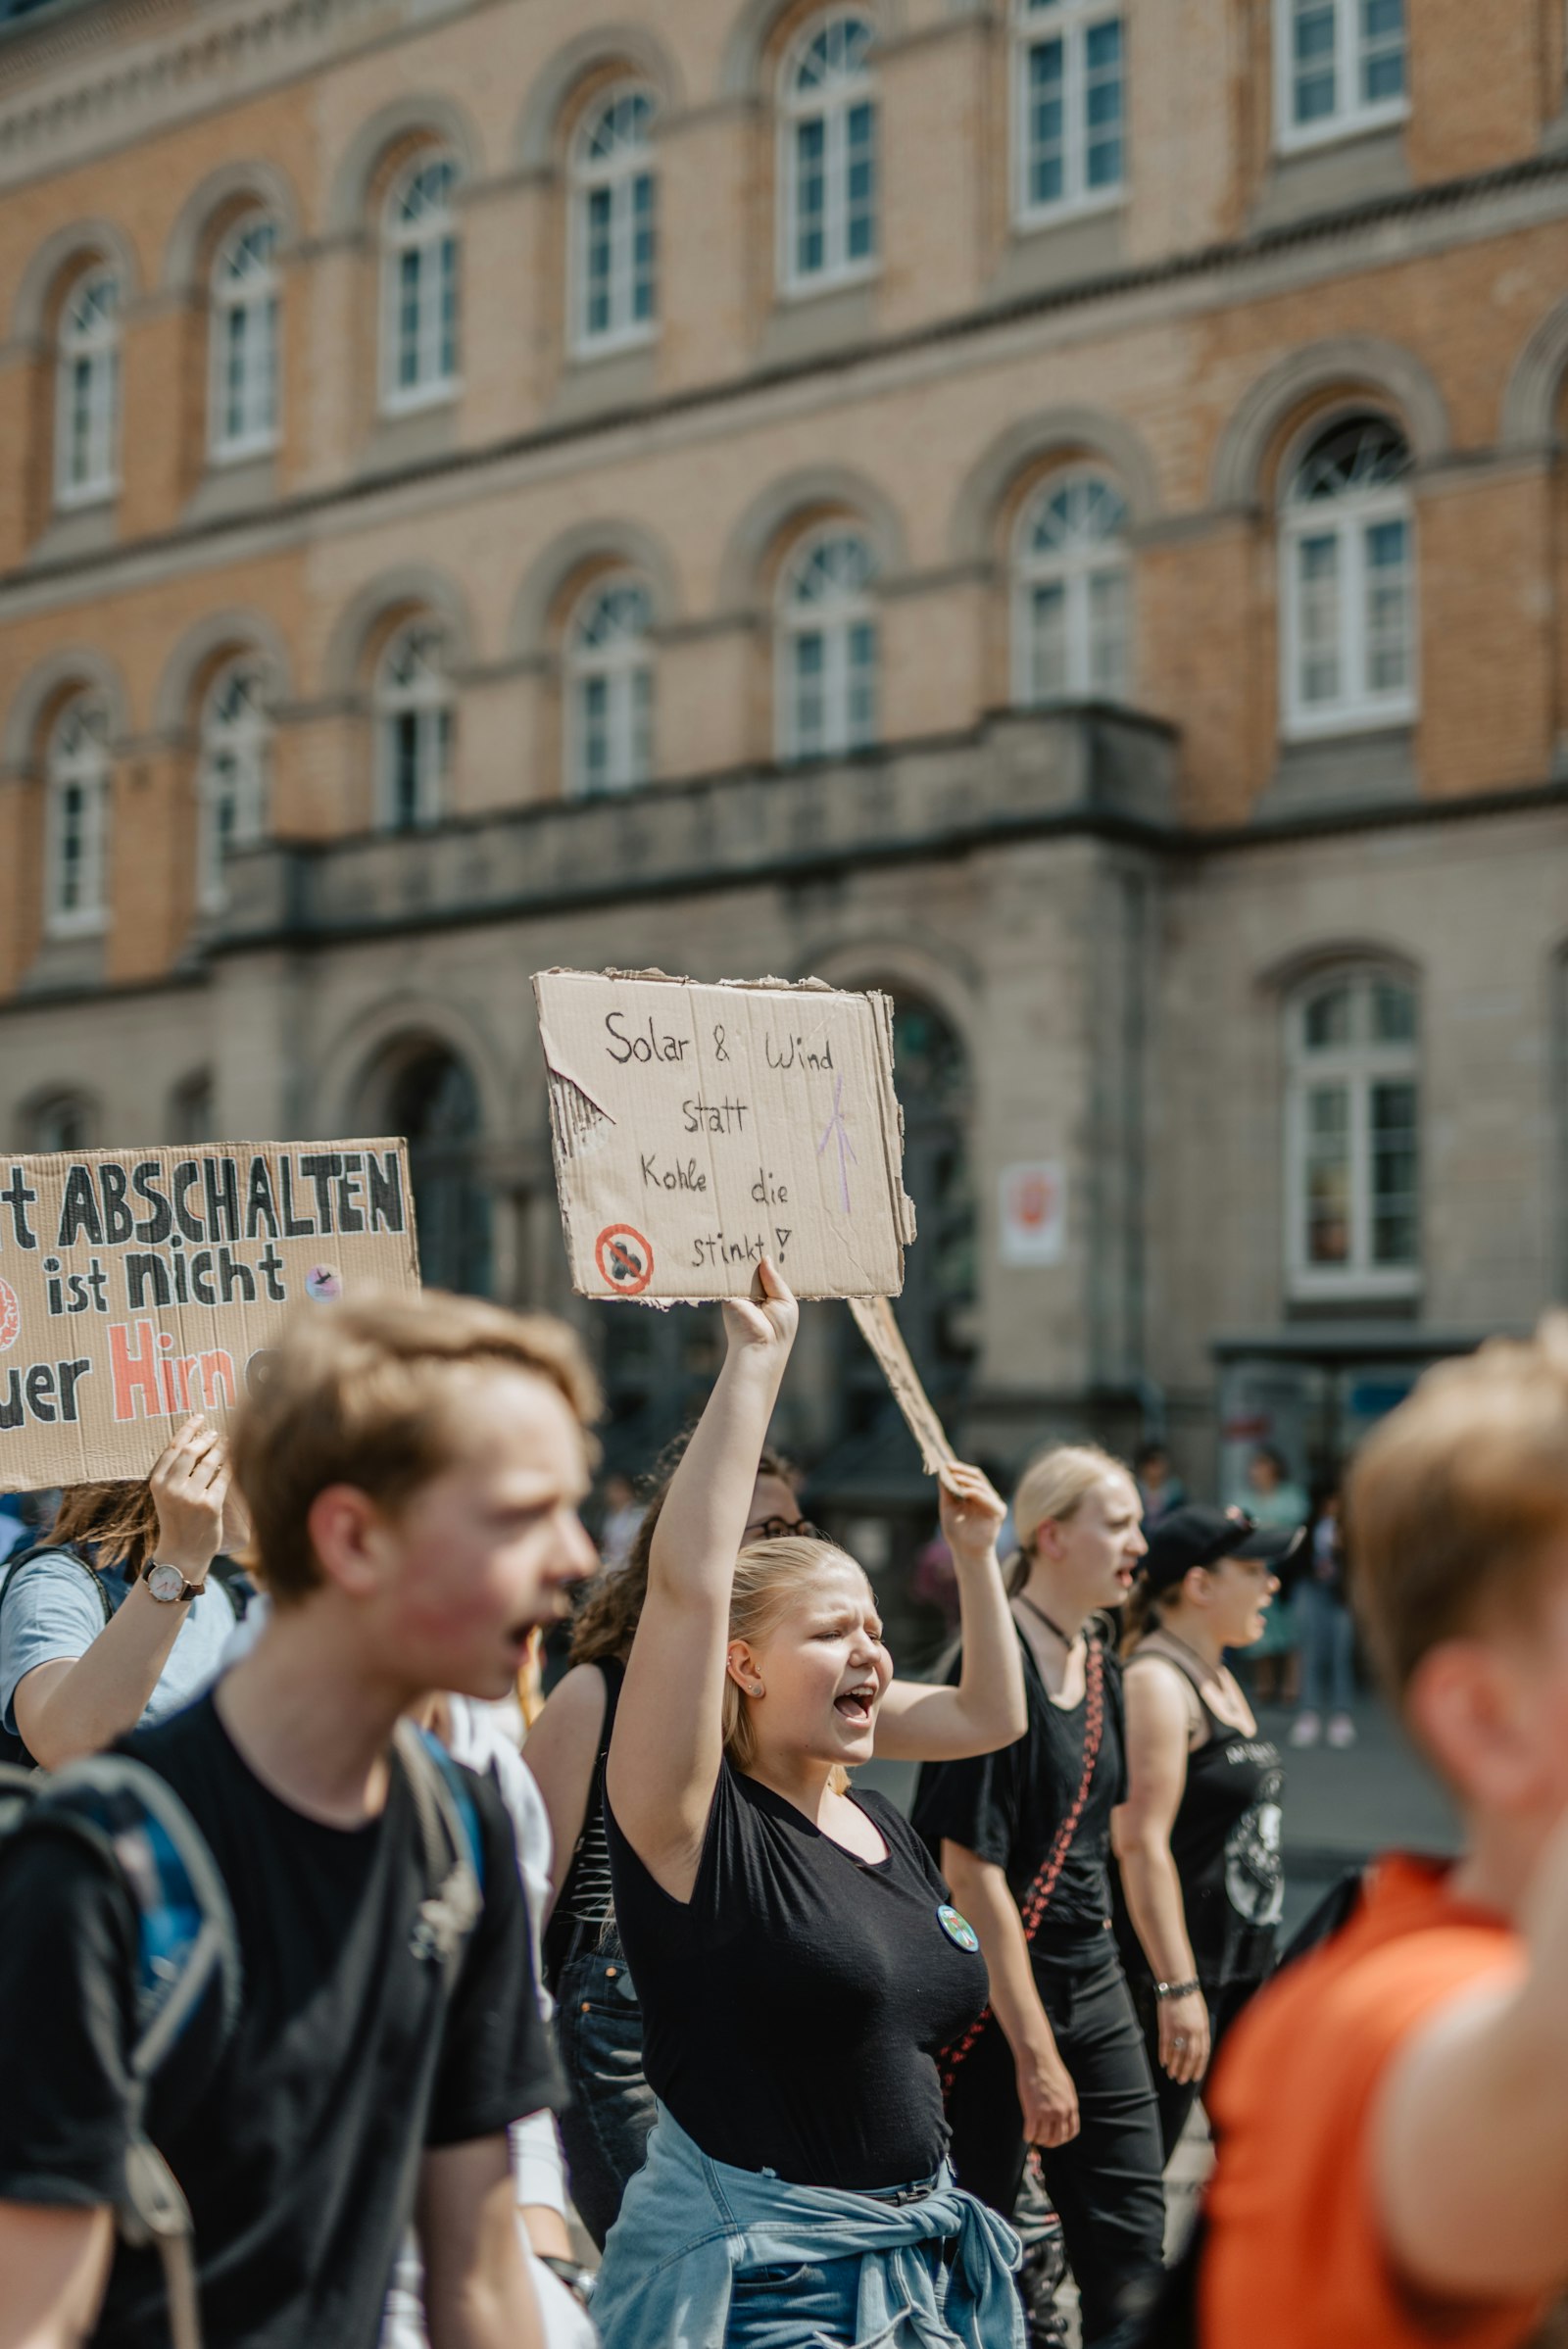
{"x":1225,"y":1841}
{"x":585,"y":1899}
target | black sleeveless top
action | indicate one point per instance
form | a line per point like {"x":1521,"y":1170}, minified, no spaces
{"x":585,"y":1899}
{"x":1225,"y":1841}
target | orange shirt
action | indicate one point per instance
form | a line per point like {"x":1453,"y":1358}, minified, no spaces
{"x":1295,"y":2256}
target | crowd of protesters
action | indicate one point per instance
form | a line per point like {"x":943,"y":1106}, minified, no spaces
{"x":327,"y":2015}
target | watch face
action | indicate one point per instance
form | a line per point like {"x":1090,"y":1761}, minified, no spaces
{"x":165,"y":1583}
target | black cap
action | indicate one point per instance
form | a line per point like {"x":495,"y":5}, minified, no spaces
{"x":1198,"y":1537}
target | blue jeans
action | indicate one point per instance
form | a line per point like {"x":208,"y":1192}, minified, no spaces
{"x":801,"y":2308}
{"x":603,"y":2131}
{"x":1328,"y":1649}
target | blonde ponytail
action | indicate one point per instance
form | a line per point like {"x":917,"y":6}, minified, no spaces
{"x":1051,"y":1492}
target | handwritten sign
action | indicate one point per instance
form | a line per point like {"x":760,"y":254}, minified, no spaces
{"x":139,"y":1286}
{"x":697,"y":1129}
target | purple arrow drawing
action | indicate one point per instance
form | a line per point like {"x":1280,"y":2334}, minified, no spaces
{"x":838,"y":1131}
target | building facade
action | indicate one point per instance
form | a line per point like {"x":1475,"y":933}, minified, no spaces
{"x":1052,"y":508}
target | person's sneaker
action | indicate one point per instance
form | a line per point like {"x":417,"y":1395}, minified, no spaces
{"x":1341,"y":1731}
{"x":1306,"y":1730}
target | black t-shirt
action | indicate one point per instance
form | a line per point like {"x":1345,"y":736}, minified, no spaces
{"x":299,"y":2151}
{"x":1006,"y":1807}
{"x":794,"y":2008}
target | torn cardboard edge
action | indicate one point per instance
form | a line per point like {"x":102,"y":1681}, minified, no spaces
{"x":875,"y":1321}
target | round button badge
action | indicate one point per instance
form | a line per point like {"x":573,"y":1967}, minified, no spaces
{"x":958,"y":1929}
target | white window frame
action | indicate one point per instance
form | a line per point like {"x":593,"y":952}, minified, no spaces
{"x":835,"y":623}
{"x":1358,"y":708}
{"x":1358,"y":1065}
{"x":1070,"y":21}
{"x":616,"y":177}
{"x":431,"y":704}
{"x":1350,"y":118}
{"x":247,"y":741}
{"x":619,"y":664}
{"x":834,"y":105}
{"x":1074,"y":569}
{"x":86,"y":766}
{"x":436,"y":384}
{"x":97,"y":348}
{"x":256,"y":300}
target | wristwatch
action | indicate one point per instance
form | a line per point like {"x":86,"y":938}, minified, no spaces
{"x":167,"y":1584}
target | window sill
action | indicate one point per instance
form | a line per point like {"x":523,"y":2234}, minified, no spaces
{"x":248,"y":451}
{"x":395,"y":406}
{"x":1350,"y":169}
{"x":1028,"y":221}
{"x":821,"y":289}
{"x":607,"y":380}
{"x":610,"y":346}
{"x":1352,"y":1289}
{"x":830,"y":320}
{"x":1348,"y":725}
{"x":1066,"y":249}
{"x":1372,"y":768}
{"x":232,"y":487}
{"x":410,"y":436}
{"x":85,"y":500}
{"x":1340,"y":130}
{"x":79,"y":530}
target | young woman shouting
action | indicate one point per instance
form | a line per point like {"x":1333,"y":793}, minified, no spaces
{"x":795,"y":1954}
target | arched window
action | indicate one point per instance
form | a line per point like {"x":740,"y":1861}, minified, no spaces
{"x":1353,"y":1176}
{"x":1347,"y":590}
{"x":827,"y":658}
{"x":419,"y":284}
{"x":413,"y":725}
{"x":828,"y":155}
{"x":87,"y":391}
{"x":611,"y":689}
{"x":64,"y":1122}
{"x":77,"y":825}
{"x":614,"y":206}
{"x":435,"y":1103}
{"x":232,"y":777}
{"x":1070,"y":596}
{"x":243,"y":401}
{"x":1070,"y":68}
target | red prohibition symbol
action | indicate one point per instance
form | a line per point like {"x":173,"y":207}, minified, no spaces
{"x":625,"y":1260}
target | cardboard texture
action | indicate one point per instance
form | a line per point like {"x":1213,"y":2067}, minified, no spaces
{"x":873,"y":1318}
{"x":139,"y":1286}
{"x":698,"y":1128}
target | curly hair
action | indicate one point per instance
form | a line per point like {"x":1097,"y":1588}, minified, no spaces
{"x":607,"y":1620}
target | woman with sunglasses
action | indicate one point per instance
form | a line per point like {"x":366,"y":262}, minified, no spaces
{"x":1197,"y":1836}
{"x":599,"y":2022}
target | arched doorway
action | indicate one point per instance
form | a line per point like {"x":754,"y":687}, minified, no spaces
{"x":432,"y":1101}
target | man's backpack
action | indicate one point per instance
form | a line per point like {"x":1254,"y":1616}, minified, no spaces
{"x":188,"y":1956}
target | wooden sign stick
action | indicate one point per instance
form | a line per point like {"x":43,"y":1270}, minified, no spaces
{"x":873,"y":1318}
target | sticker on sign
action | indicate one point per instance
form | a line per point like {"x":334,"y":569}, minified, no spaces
{"x":700,"y":1128}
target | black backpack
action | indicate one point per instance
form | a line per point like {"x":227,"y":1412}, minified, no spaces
{"x":233,"y":1583}
{"x":188,"y":1958}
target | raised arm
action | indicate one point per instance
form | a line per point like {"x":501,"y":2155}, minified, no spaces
{"x":986,"y":1710}
{"x":68,"y":1707}
{"x":1158,"y":1724}
{"x":668,"y":1739}
{"x":1470,"y":2152}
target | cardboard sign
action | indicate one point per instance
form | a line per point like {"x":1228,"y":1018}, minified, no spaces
{"x":874,"y":1319}
{"x":697,"y":1129}
{"x":139,"y":1286}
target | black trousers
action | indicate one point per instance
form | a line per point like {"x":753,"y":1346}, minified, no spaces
{"x":1177,"y":2099}
{"x":1106,"y":2184}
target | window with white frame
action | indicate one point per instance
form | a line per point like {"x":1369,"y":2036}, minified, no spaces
{"x":828,"y":652}
{"x":1339,"y":66}
{"x":419,"y":286}
{"x":243,"y":399}
{"x":1069,"y":75}
{"x":1353,"y":1172}
{"x":414,"y":728}
{"x":87,"y":391}
{"x":1071,"y":592}
{"x":609,"y":684}
{"x":827,"y":155}
{"x":76,"y":827}
{"x":614,"y":197}
{"x":236,"y":739}
{"x":1347,"y":590}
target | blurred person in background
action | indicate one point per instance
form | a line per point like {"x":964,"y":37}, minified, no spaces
{"x":1198,"y":1837}
{"x":1273,"y":1497}
{"x":118,"y":1621}
{"x":623,"y":1514}
{"x":1326,"y":1631}
{"x":1160,"y":1487}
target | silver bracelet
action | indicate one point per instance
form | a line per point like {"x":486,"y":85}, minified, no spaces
{"x":1175,"y":1989}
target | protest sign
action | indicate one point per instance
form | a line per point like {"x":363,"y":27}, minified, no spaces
{"x":697,"y":1129}
{"x":139,"y":1286}
{"x":875,"y":1321}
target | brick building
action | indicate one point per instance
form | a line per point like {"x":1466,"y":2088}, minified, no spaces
{"x":1054,"y":508}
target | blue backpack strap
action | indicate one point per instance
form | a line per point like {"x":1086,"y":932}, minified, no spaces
{"x":454,"y":1849}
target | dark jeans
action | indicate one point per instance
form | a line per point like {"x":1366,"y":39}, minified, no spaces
{"x":599,"y":2028}
{"x":1177,"y":2099}
{"x":1106,"y":2184}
